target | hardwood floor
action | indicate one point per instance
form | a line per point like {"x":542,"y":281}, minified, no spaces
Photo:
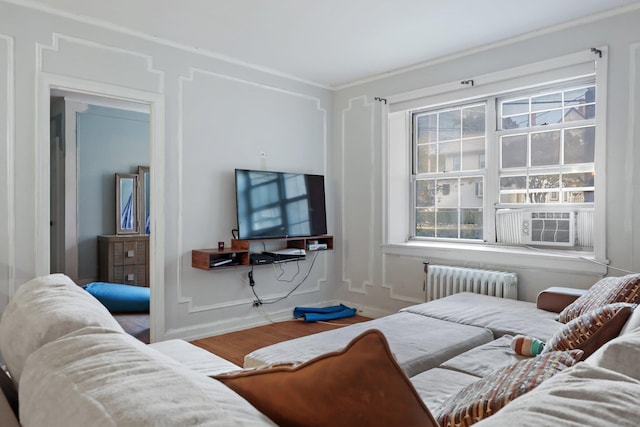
{"x":234,"y":346}
{"x":136,"y":324}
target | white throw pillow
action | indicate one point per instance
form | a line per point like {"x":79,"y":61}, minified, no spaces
{"x":620,"y":355}
{"x":42,"y":310}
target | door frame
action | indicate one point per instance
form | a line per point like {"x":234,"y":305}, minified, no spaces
{"x":155,"y":103}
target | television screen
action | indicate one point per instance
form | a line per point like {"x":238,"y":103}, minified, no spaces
{"x":279,"y":204}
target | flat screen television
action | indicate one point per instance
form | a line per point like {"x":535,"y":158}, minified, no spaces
{"x":279,"y":204}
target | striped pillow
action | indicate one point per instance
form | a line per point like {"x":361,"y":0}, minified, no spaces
{"x":606,"y":291}
{"x":488,"y":395}
{"x":591,"y":330}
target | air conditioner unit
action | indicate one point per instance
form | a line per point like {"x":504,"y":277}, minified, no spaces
{"x":550,"y":228}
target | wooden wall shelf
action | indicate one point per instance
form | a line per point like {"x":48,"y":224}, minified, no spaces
{"x":238,"y":253}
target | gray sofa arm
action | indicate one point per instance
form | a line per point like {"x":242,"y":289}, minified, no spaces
{"x":555,"y":299}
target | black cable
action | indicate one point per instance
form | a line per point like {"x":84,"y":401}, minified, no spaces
{"x":252,"y":284}
{"x":261,"y":302}
{"x":278,"y":276}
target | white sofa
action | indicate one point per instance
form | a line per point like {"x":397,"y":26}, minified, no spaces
{"x":73,"y":365}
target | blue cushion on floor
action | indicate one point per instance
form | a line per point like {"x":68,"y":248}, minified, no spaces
{"x":120,"y":298}
{"x":315,"y":314}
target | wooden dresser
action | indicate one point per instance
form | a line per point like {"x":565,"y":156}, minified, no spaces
{"x":124,"y":259}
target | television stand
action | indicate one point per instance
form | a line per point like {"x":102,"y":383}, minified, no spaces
{"x":238,"y":254}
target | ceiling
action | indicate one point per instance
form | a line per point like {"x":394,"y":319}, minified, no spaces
{"x":331,"y":43}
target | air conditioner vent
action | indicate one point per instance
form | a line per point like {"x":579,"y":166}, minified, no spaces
{"x":553,"y":228}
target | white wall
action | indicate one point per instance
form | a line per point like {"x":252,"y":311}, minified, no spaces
{"x":389,"y":278}
{"x":207,"y":116}
{"x":6,"y":166}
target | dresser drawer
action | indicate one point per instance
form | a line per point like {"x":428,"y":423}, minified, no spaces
{"x":124,"y":260}
{"x":135,"y":275}
{"x":128,"y":253}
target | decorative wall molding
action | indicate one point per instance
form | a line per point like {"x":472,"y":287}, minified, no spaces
{"x":632,"y":201}
{"x":368,"y":256}
{"x":182,"y":297}
{"x":8,"y":88}
{"x":154,"y":84}
{"x":392,"y":287}
{"x":199,"y":331}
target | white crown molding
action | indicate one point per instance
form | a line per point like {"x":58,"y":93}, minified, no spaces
{"x":151,"y":38}
{"x":495,"y":45}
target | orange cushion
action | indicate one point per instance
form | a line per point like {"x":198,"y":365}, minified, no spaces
{"x":359,"y":385}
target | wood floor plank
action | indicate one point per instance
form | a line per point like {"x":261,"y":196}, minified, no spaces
{"x":233,"y":346}
{"x":136,"y":324}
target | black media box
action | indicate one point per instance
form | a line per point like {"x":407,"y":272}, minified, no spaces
{"x":261,"y":259}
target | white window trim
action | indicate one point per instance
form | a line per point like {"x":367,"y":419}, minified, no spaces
{"x":396,"y":163}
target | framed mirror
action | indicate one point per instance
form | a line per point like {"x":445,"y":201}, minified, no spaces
{"x":127,"y":203}
{"x":144,"y":180}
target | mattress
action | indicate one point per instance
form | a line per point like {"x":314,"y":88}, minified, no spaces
{"x":418,"y":342}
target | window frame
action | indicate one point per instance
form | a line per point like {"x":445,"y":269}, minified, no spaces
{"x":397,"y":145}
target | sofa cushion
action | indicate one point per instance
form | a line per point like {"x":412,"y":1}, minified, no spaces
{"x":437,"y":385}
{"x":502,"y":316}
{"x":606,"y":291}
{"x":489,"y":394}
{"x":485,"y":359}
{"x":418,"y":342}
{"x":359,"y":385}
{"x":591,"y":330}
{"x":194,"y":357}
{"x":620,"y":354}
{"x":43,"y":310}
{"x":633,"y":322}
{"x":581,"y":396}
{"x":98,"y":377}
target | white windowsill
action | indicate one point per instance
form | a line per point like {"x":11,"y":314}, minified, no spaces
{"x":483,"y":255}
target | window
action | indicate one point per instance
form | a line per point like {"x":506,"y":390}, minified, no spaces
{"x":477,"y":163}
{"x":449,"y":157}
{"x":547,"y":146}
{"x":544,"y":157}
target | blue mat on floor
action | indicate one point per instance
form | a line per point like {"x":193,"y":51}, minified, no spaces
{"x":315,"y":314}
{"x":120,"y":298}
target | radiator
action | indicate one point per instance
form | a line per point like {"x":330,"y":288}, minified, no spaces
{"x":442,"y":280}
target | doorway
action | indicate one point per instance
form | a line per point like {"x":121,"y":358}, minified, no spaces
{"x":91,"y":140}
